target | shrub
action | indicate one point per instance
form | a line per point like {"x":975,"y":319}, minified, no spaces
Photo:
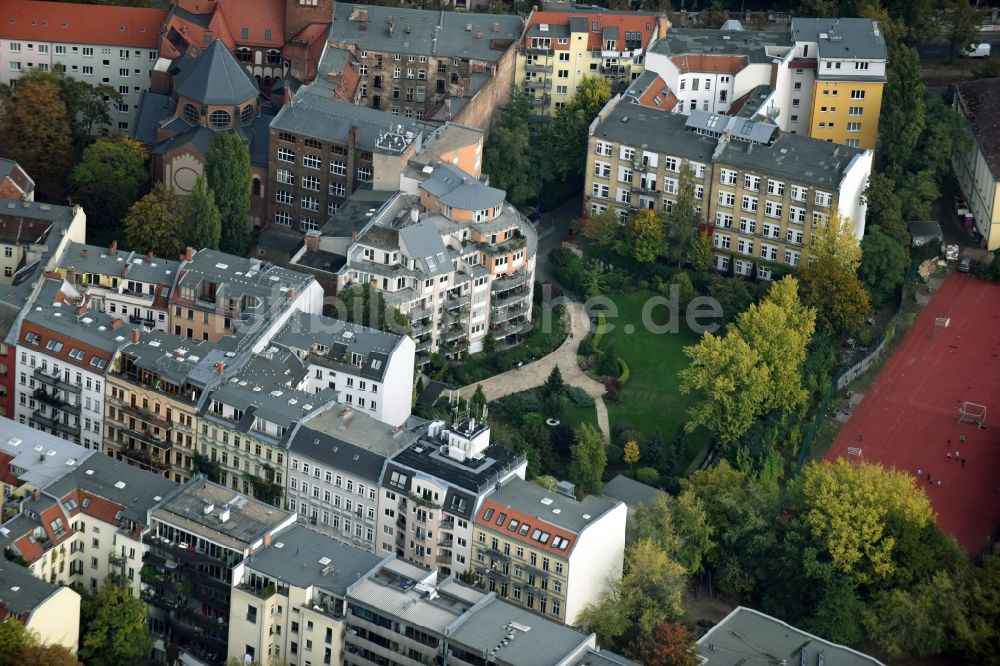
{"x":599,"y":331}
{"x":579,"y":397}
{"x":608,"y":365}
{"x":623,"y":378}
{"x":586,"y":347}
{"x":647,"y":475}
{"x":613,"y":387}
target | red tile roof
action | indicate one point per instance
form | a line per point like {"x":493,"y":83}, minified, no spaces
{"x":695,"y":62}
{"x":624,"y":21}
{"x":227,"y":19}
{"x":81,"y":24}
{"x":658,"y":96}
{"x":524,"y":519}
{"x":29,"y":548}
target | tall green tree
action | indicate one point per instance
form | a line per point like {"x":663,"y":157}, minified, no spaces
{"x":509,"y":156}
{"x":883,"y":262}
{"x":565,"y":137}
{"x":962,"y":22}
{"x":916,"y":622}
{"x":885,"y":209}
{"x":35,"y":131}
{"x":554,"y":385}
{"x":156,"y":223}
{"x":113,"y":627}
{"x":87,"y":105}
{"x":839,"y":298}
{"x":680,"y":223}
{"x":903,"y":109}
{"x":20,"y":646}
{"x":204,"y":222}
{"x":700,"y":252}
{"x":227,"y":169}
{"x":588,"y":460}
{"x":644,"y":236}
{"x":979,"y":629}
{"x":107,"y":182}
{"x":604,"y":229}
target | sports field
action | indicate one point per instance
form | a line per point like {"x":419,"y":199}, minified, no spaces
{"x":909,"y":417}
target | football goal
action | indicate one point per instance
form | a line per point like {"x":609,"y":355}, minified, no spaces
{"x":971,"y":412}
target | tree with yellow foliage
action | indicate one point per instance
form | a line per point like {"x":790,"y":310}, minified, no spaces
{"x":835,"y":239}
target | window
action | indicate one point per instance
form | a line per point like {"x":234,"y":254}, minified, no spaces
{"x":252,"y":614}
{"x":750,"y":204}
{"x":720,"y":241}
{"x":727,"y":199}
{"x":282,"y":218}
{"x":220,"y":118}
{"x":310,"y":183}
{"x":15,"y":66}
{"x":603,"y":148}
{"x":310,"y":203}
{"x":860,"y":65}
{"x":600,"y":191}
{"x":799,"y":193}
{"x":792,"y":258}
{"x":775,"y":188}
{"x":857,"y":94}
{"x":338,"y":189}
{"x":364,"y":174}
{"x":794,"y":236}
{"x":311,"y":161}
{"x":823,"y":199}
{"x":853,"y":143}
{"x":283,"y":197}
{"x":286,"y":155}
{"x":772,"y":209}
{"x":286,"y":177}
{"x":727,"y":177}
{"x":563,"y":74}
{"x":853,"y":127}
{"x":856,"y":111}
{"x":562,"y":90}
{"x":796,"y":215}
{"x":602,"y":169}
{"x":670,"y":164}
{"x":88,"y":70}
{"x":723,"y":220}
{"x":751,"y":183}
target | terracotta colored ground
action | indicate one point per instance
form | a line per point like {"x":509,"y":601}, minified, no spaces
{"x":908,"y":417}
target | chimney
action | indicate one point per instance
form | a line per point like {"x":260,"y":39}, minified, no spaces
{"x":149,"y":257}
{"x":36,"y":493}
{"x":496,"y":27}
{"x":352,"y":137}
{"x":354,"y":236}
{"x":189,"y":254}
{"x":83,"y":253}
{"x":220,"y":367}
{"x":60,"y":297}
{"x":312,"y":240}
{"x":291,"y":293}
{"x":116,"y":323}
{"x":114,"y":247}
{"x":662,"y":26}
{"x":81,"y":310}
{"x":267,"y":539}
{"x":135,"y":335}
{"x":125,"y":270}
{"x":392,"y":25}
{"x":71,"y":275}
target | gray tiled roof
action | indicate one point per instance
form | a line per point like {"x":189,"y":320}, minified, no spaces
{"x":20,"y":591}
{"x":92,"y":328}
{"x":432,"y":33}
{"x":526,"y":497}
{"x":654,"y":130}
{"x":630,"y":491}
{"x":453,"y":187}
{"x":215,"y":77}
{"x":749,"y":43}
{"x":294,"y":557}
{"x":312,"y":112}
{"x":158,"y":271}
{"x":487,"y":627}
{"x":422,"y":243}
{"x":849,"y":38}
{"x":154,"y":108}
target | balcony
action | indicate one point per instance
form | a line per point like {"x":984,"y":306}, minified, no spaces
{"x":141,"y":413}
{"x":417,"y":330}
{"x":53,"y":423}
{"x":455,"y":333}
{"x":147,"y":437}
{"x":446,"y":541}
{"x":511,"y":297}
{"x":456,"y":301}
{"x":54,"y":380}
{"x":537,"y":50}
{"x":62,"y":403}
{"x":448,"y":524}
{"x":506,"y":314}
{"x":144,"y":460}
{"x":510,"y":281}
{"x":418,"y":313}
{"x":536,"y":84}
{"x":537,"y":67}
{"x":542,"y":99}
{"x":424,"y":345}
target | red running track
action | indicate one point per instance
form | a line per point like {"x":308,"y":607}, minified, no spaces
{"x":910,"y":414}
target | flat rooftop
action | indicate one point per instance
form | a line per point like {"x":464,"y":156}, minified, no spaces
{"x":248,"y":519}
{"x":38,"y":457}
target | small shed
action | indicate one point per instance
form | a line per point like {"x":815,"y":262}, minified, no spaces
{"x":923,"y":232}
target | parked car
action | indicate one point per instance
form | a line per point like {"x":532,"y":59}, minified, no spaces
{"x":977,"y":51}
{"x":965,"y":265}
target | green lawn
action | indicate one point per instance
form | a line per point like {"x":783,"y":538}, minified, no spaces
{"x":576,"y":416}
{"x":650,"y":400}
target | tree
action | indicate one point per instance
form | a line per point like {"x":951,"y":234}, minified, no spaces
{"x":631,"y":453}
{"x":648,"y":594}
{"x":644,"y":236}
{"x":107,"y":182}
{"x":836,"y":241}
{"x":779,"y":330}
{"x":554,"y":385}
{"x":885,"y":209}
{"x":978,"y":631}
{"x":694,"y":533}
{"x":680,"y":223}
{"x":916,"y":622}
{"x":840,"y":299}
{"x":669,"y":644}
{"x":227,"y":169}
{"x":509,"y":156}
{"x":883,"y":262}
{"x":113,"y":627}
{"x":903,"y":108}
{"x":733,"y":382}
{"x":856,"y":513}
{"x":604,"y":229}
{"x":607,"y":364}
{"x":204,"y":223}
{"x":478,"y":398}
{"x":700,"y":252}
{"x":155,"y":223}
{"x":988,"y":69}
{"x":962,"y":22}
{"x":86,"y":104}
{"x":565,"y":137}
{"x":588,"y":460}
{"x":363,"y":305}
{"x":20,"y":646}
{"x":35,"y":131}
{"x":840,"y":614}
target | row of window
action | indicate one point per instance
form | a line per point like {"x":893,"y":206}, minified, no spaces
{"x":746,"y":246}
{"x":86,"y":51}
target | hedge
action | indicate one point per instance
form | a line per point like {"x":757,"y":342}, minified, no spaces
{"x":625,"y":372}
{"x":599,"y":333}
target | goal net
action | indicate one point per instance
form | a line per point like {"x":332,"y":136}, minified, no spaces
{"x":971,"y":412}
{"x":854,"y":454}
{"x":941,"y":323}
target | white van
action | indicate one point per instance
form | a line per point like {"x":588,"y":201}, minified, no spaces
{"x":977,"y":51}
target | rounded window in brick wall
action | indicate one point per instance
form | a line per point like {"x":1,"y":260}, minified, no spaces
{"x":191,"y":114}
{"x":246,"y":114}
{"x":220,"y":118}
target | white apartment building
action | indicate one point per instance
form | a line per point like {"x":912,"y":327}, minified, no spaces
{"x":976,"y":166}
{"x":64,"y":349}
{"x":98,"y":44}
{"x":371,"y":370}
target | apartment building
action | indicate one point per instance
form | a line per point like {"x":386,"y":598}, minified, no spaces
{"x":290,"y":603}
{"x":322,"y":149}
{"x":427,"y":64}
{"x":403,"y":613}
{"x":456,"y":259}
{"x":219,"y":294}
{"x":152,"y":397}
{"x":15,"y":183}
{"x":50,"y":612}
{"x":247,"y":422}
{"x":759,"y":190}
{"x":64,"y":350}
{"x":432,"y":489}
{"x":558,"y":49}
{"x":371,"y":370}
{"x":198,"y":540}
{"x":129,"y":286}
{"x":32,"y":237}
{"x":336,"y":462}
{"x":97,"y":44}
{"x":547,"y":551}
{"x":977,"y":167}
{"x":824,"y":79}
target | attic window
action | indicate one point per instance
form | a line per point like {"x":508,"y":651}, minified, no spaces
{"x":120,"y":485}
{"x":86,"y":502}
{"x":54,"y":346}
{"x":33,"y":337}
{"x":488,"y":514}
{"x":512,"y":526}
{"x":524,"y":529}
